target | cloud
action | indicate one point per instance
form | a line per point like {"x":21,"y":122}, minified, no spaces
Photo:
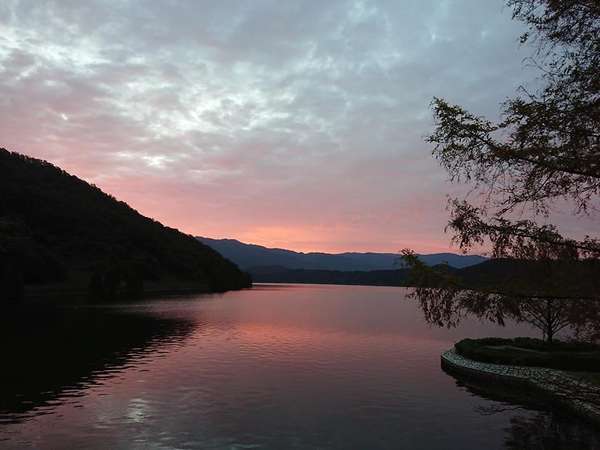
{"x":298,"y":124}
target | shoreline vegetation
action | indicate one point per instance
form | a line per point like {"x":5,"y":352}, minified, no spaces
{"x":34,"y":294}
{"x":530,"y":352}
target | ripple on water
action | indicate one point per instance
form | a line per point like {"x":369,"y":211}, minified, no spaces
{"x":278,"y":367}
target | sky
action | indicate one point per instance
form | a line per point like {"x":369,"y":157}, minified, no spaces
{"x":294,"y":124}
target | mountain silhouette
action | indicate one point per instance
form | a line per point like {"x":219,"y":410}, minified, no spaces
{"x":250,"y":256}
{"x":60,"y":234}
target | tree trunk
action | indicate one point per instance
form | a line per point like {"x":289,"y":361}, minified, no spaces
{"x":549,"y":327}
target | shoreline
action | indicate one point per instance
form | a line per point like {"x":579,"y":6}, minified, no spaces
{"x":580,"y":397}
{"x":46,"y":295}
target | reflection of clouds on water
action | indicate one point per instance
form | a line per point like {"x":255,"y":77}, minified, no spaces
{"x":138,"y":410}
{"x":308,"y":367}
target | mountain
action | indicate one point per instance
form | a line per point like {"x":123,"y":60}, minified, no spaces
{"x":570,"y":278}
{"x":249,"y":256}
{"x":59,"y":232}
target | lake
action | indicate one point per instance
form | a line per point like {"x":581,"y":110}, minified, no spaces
{"x":273,"y":367}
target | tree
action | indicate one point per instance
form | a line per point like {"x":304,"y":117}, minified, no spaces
{"x":12,"y":278}
{"x":546,"y":147}
{"x":544,"y":152}
{"x":523,"y":294}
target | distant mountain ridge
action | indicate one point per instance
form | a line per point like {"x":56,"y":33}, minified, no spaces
{"x":581,"y":277}
{"x":250,"y":256}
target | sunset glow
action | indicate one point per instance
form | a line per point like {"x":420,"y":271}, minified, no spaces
{"x":279,"y":124}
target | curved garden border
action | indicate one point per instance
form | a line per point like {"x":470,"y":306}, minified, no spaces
{"x":580,"y":396}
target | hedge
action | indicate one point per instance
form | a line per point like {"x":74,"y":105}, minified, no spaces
{"x":532,"y":352}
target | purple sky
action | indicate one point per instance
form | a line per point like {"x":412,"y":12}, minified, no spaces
{"x":295,"y":124}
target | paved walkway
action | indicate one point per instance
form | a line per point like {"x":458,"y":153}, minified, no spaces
{"x":581,"y":396}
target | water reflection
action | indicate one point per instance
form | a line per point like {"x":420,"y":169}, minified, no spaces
{"x":549,"y":428}
{"x":327,"y":367}
{"x":52,"y":353}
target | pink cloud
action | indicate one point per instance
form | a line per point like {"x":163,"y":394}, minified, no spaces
{"x":284,"y":126}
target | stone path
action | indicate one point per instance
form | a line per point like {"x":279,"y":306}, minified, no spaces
{"x":581,"y":396}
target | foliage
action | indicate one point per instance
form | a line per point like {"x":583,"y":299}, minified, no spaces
{"x":532,"y":352}
{"x":543,"y":152}
{"x":539,"y":293}
{"x":546,"y":147}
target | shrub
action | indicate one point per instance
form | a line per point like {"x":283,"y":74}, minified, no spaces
{"x":574,"y":356}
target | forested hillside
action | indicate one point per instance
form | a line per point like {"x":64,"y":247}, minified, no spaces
{"x":56,"y":229}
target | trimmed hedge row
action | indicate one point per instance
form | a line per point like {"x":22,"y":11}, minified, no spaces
{"x":532,"y":352}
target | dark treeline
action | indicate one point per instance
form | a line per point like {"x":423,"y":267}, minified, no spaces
{"x":366,"y":278}
{"x":494,"y":274}
{"x":58,"y":230}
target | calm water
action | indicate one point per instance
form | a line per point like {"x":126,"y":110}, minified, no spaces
{"x":275,"y":367}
